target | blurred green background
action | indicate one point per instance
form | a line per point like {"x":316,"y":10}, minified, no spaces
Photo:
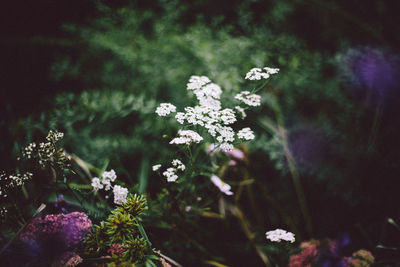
{"x":96,"y":70}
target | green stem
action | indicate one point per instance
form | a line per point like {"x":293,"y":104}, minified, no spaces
{"x":293,"y":171}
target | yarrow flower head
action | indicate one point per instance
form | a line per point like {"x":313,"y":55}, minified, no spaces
{"x":246,"y":134}
{"x":178,"y":164}
{"x":170,"y":173}
{"x":120,"y":194}
{"x":258,"y":74}
{"x":156,"y":167}
{"x":186,"y":137}
{"x":271,"y":70}
{"x":96,"y":184}
{"x":222,"y":186}
{"x":110,"y":175}
{"x":165,"y":109}
{"x":196,"y":82}
{"x":210,"y":116}
{"x":249,"y":99}
{"x":278,"y":235}
{"x":107,"y":178}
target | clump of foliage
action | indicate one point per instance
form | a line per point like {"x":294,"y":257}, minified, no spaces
{"x":121,"y":238}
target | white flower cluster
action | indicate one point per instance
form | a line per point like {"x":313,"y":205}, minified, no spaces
{"x":47,"y":152}
{"x":54,"y":136}
{"x":258,"y":74}
{"x":209,"y":113}
{"x":178,"y":164}
{"x":170,"y":173}
{"x":156,"y":167}
{"x":165,"y":109}
{"x":11,"y":181}
{"x":196,"y":82}
{"x":105,"y":182}
{"x":27,"y":152}
{"x":246,"y":134}
{"x":222,"y":186}
{"x":249,"y":98}
{"x":186,"y":137}
{"x":279,"y":234}
{"x":120,"y":194}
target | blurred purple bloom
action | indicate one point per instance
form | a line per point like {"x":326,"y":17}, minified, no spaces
{"x":372,"y":69}
{"x":307,"y":146}
{"x":72,"y":227}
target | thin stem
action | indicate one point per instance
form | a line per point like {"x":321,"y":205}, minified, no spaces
{"x":297,"y":184}
{"x":293,"y":170}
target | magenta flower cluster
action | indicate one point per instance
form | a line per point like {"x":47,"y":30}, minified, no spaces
{"x":327,"y":253}
{"x":117,"y":249}
{"x":70,"y":228}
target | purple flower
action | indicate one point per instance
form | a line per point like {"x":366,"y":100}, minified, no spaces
{"x":51,"y":236}
{"x":371,"y":69}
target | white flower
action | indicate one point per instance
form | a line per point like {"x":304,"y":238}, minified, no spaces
{"x":196,"y":82}
{"x":256,"y":74}
{"x":246,"y":134}
{"x":226,"y":134}
{"x":186,"y":137}
{"x":96,"y":184}
{"x":107,"y":184}
{"x":212,"y":90}
{"x":226,"y":147}
{"x":178,"y":164}
{"x":156,"y":167}
{"x":180,"y":117}
{"x":223,"y":187}
{"x":279,"y":234}
{"x":241,"y":112}
{"x":210,"y":102}
{"x":209,"y":95}
{"x":107,"y":178}
{"x":249,"y":99}
{"x":227,"y":116}
{"x":165,"y":109}
{"x":170,"y":173}
{"x":120,"y":194}
{"x":110,"y":175}
{"x":271,"y":70}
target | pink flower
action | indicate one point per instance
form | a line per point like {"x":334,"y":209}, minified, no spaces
{"x":305,"y":257}
{"x":236,"y":154}
{"x":117,"y":249}
{"x":164,"y":263}
{"x":71,"y":228}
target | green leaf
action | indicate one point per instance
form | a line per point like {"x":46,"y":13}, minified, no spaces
{"x":143,"y":233}
{"x":143,"y":176}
